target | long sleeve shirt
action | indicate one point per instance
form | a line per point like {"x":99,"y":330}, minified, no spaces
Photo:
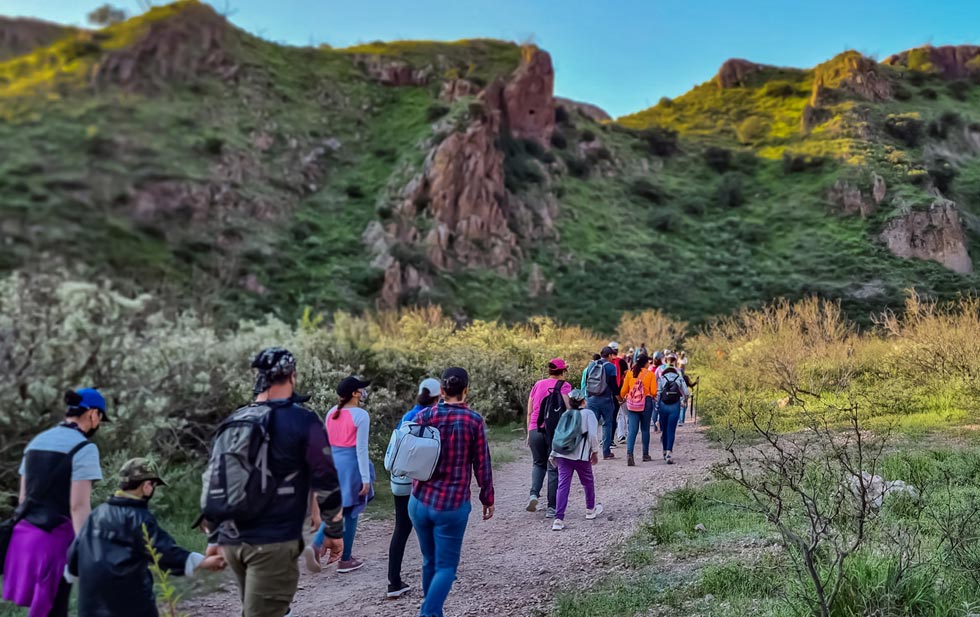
{"x":352,"y":430}
{"x":664,"y":377}
{"x":465,"y":453}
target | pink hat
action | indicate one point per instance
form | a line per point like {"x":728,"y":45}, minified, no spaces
{"x":557,"y":364}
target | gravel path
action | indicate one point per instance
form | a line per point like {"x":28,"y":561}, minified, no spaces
{"x":512,"y":564}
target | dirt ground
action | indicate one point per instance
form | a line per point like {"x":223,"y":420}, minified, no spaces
{"x":512,"y":564}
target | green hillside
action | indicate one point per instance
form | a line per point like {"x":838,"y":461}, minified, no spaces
{"x":176,"y":153}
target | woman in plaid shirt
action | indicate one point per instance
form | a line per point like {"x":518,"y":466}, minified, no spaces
{"x":440,"y":507}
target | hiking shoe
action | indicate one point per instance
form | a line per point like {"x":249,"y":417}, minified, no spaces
{"x":532,"y":504}
{"x":350,"y":565}
{"x":550,"y":513}
{"x":558,"y":525}
{"x":629,"y":461}
{"x":396,"y":591}
{"x":647,"y":458}
{"x":606,"y":457}
{"x":669,"y":459}
{"x":590,"y":515}
{"x":312,"y":558}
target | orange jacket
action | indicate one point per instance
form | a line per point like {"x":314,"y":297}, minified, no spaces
{"x":649,"y":383}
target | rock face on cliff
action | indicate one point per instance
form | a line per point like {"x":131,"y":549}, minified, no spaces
{"x":457,"y":213}
{"x":734,"y":72}
{"x":20,"y":35}
{"x":587,"y":109}
{"x":392,"y":72}
{"x":948,"y":61}
{"x":935,"y":233}
{"x":850,"y":73}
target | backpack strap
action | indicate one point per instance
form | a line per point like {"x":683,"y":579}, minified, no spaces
{"x":77,"y":448}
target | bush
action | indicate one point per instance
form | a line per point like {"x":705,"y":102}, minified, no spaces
{"x":797,"y":163}
{"x":901,"y":93}
{"x":587,"y":135}
{"x":780,"y":89}
{"x":752,"y":130}
{"x":660,"y":141}
{"x":559,"y":141}
{"x":959,"y":89}
{"x":520,"y":168}
{"x":929,"y":93}
{"x":647,"y":190}
{"x":729,"y":191}
{"x":719,"y":159}
{"x":666,"y":102}
{"x":906,"y":128}
{"x":942,"y":174}
{"x":579,"y":168}
{"x":561,"y":115}
{"x":435,"y":111}
{"x":354,"y":191}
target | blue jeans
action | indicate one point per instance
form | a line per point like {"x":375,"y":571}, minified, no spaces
{"x":440,"y":535}
{"x":639,"y":422}
{"x":669,"y":415}
{"x":605,"y":410}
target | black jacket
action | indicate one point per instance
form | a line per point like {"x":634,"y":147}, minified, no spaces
{"x":110,"y":559}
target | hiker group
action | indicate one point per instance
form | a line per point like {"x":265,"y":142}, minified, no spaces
{"x":275,"y":467}
{"x":624,"y":395}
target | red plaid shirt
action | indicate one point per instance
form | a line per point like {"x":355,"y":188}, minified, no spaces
{"x":464,"y":446}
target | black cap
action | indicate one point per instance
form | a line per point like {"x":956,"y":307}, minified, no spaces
{"x":350,"y":385}
{"x":455,"y":376}
{"x":606,"y":351}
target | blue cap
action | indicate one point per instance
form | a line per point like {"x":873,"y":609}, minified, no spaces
{"x":91,"y":399}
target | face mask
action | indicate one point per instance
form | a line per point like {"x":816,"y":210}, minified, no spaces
{"x":365,"y":395}
{"x":89,"y":434}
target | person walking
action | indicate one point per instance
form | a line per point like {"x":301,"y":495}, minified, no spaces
{"x":671,"y":390}
{"x":401,"y":490}
{"x":440,"y":506}
{"x":639,"y":390}
{"x":109,"y":559}
{"x":603,"y":396}
{"x":57,"y":472}
{"x":552,"y":392}
{"x":262,"y":551}
{"x":620,"y":422}
{"x":348,"y":429}
{"x":578,"y":462}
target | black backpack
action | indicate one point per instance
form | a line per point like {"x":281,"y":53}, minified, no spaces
{"x":551,"y":409}
{"x":237,"y":484}
{"x":671,"y":392}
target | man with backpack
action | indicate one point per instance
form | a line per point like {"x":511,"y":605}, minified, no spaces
{"x":575,"y":449}
{"x":671,"y":390}
{"x":545,"y":404}
{"x":256,"y":512}
{"x":620,"y":420}
{"x":603,"y":396}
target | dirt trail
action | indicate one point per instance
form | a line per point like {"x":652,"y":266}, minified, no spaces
{"x":512,"y":564}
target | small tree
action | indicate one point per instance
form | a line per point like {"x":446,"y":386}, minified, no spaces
{"x":652,"y":327}
{"x":106,"y":15}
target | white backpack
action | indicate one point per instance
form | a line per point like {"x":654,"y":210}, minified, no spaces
{"x":413,"y":451}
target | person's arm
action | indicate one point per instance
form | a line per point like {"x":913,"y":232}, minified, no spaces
{"x":565,"y":391}
{"x":530,"y":402}
{"x":173,"y":558}
{"x":363,"y":424}
{"x":651,"y":384}
{"x":683,"y":387}
{"x":81,"y":503}
{"x":323,"y":474}
{"x":626,"y":386}
{"x":23,"y":490}
{"x":480,"y":459}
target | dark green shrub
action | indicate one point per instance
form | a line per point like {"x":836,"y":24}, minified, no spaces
{"x":942,"y":174}
{"x":648,"y":190}
{"x":666,"y":102}
{"x":561,"y":115}
{"x":901,"y":93}
{"x":599,"y":154}
{"x":778,"y":89}
{"x":520,"y":169}
{"x":959,"y":89}
{"x":532,"y":147}
{"x":663,"y":220}
{"x":80,"y":48}
{"x":354,"y":191}
{"x":579,"y":168}
{"x":435,"y":111}
{"x":660,"y":141}
{"x":904,"y":127}
{"x":797,"y":163}
{"x":929,"y":93}
{"x":729,"y":192}
{"x":558,"y":140}
{"x":752,"y":129}
{"x":587,"y":135}
{"x":213,"y":145}
{"x":719,"y":159}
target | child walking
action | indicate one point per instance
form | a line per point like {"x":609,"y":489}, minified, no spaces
{"x":580,"y":461}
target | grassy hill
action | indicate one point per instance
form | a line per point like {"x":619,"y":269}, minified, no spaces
{"x":176,"y":153}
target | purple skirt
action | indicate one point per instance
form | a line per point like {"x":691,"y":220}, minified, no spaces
{"x":35,"y":566}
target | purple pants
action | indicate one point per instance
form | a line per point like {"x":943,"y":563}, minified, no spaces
{"x":565,"y":469}
{"x":36,"y":565}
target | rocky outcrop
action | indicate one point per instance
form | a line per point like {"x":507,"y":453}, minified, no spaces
{"x":849,"y":73}
{"x":935,"y":233}
{"x":455,"y":89}
{"x":19,"y":35}
{"x":189,"y":43}
{"x":529,"y":103}
{"x":593,"y":112}
{"x":735,"y":71}
{"x":457,"y":213}
{"x":392,"y":72}
{"x":851,"y":200}
{"x":948,"y":61}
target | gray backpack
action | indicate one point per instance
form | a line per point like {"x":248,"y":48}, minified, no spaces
{"x":237,"y":483}
{"x":413,"y":451}
{"x":595,"y":379}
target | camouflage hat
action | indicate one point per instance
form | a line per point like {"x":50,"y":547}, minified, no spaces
{"x":139,"y":470}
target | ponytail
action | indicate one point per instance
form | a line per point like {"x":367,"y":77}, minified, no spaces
{"x":340,"y":406}
{"x":640,"y":364}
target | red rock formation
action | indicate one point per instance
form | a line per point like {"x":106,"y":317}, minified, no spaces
{"x":733,"y":72}
{"x":392,"y":72}
{"x":529,"y":97}
{"x":851,"y":73}
{"x":455,"y":89}
{"x":935,"y":233}
{"x":948,"y":61}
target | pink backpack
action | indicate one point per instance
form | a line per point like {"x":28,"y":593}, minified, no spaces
{"x":636,"y":399}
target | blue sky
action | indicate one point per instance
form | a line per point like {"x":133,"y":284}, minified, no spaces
{"x":620,"y":54}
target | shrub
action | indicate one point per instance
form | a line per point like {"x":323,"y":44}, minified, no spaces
{"x":213,"y":145}
{"x":660,"y":141}
{"x":579,"y":168}
{"x":729,"y":191}
{"x":561,"y":114}
{"x":719,"y":159}
{"x":435,"y":111}
{"x":901,"y":93}
{"x":520,"y":168}
{"x":929,"y":93}
{"x":354,"y":191}
{"x":780,"y":89}
{"x":752,"y":130}
{"x":797,"y":163}
{"x":906,"y":128}
{"x":647,"y":190}
{"x":666,"y":102}
{"x":959,"y":89}
{"x":587,"y":135}
{"x":942,"y":174}
{"x":559,"y":141}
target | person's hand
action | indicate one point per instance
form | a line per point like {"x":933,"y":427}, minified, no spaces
{"x":365,"y":489}
{"x":214,"y":563}
{"x":594,"y":458}
{"x":487,"y":513}
{"x":315,"y":520}
{"x":553,"y":461}
{"x":212,"y":550}
{"x":332,"y":549}
{"x":527,"y":438}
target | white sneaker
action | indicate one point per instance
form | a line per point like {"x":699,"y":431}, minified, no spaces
{"x":558,"y":525}
{"x":312,"y":563}
{"x":532,"y":504}
{"x":590,"y":515}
